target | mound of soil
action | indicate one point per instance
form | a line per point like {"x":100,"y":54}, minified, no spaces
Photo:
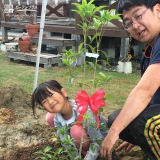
{"x":22,"y":135}
{"x":18,"y":126}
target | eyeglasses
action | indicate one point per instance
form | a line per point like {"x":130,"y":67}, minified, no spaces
{"x":137,"y":19}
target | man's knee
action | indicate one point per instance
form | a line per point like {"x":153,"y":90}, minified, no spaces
{"x":112,"y":117}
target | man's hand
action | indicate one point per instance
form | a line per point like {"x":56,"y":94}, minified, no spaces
{"x":108,"y":144}
{"x":125,"y":146}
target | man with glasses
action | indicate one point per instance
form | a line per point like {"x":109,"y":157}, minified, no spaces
{"x":138,"y":122}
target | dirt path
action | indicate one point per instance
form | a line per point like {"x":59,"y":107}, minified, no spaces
{"x":21,"y":135}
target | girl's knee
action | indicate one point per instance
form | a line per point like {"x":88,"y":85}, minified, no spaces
{"x":76,"y":133}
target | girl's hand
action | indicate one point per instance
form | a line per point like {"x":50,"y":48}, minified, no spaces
{"x":126,"y":146}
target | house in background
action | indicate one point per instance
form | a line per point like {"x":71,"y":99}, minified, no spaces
{"x":61,"y":21}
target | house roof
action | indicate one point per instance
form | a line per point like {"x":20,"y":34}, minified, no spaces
{"x":36,"y":2}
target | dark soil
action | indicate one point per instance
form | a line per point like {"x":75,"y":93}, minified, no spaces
{"x":22,"y":135}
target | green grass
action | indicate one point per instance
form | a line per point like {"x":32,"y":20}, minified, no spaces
{"x":22,"y":74}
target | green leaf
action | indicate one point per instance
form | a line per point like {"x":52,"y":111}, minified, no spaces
{"x":93,"y":147}
{"x":90,"y":2}
{"x":91,"y":48}
{"x":85,"y":27}
{"x":59,"y":150}
{"x":49,"y":156}
{"x":97,"y":9}
{"x":81,"y":26}
{"x":105,"y":54}
{"x":102,"y":74}
{"x":80,"y":84}
{"x":95,"y":36}
{"x":80,"y":48}
{"x":96,"y":23}
{"x":48,"y":148}
{"x":96,"y":83}
{"x":91,"y":64}
{"x":99,"y":142}
{"x":39,"y":152}
{"x":89,"y":37}
{"x":100,"y":109}
{"x":86,"y":140}
{"x":43,"y":158}
{"x":71,"y":81}
{"x":104,"y":77}
{"x":65,"y":61}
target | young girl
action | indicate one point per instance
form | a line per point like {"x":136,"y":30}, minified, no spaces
{"x":62,"y":112}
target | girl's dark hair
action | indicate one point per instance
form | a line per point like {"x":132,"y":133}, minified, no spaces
{"x":127,"y":4}
{"x":41,"y":92}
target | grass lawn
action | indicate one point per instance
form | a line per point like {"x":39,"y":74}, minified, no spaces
{"x":22,"y":74}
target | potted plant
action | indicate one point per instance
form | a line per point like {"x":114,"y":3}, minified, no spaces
{"x":25,"y":38}
{"x":24,"y":45}
{"x":11,"y":46}
{"x":32,"y":28}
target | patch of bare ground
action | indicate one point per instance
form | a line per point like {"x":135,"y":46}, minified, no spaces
{"x":22,"y":135}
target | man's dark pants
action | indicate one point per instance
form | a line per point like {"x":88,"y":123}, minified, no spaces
{"x":143,"y":131}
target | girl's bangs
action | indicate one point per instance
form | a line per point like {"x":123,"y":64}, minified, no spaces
{"x":42,"y":94}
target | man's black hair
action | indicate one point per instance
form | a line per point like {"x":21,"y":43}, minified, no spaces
{"x":127,"y":4}
{"x":152,"y":3}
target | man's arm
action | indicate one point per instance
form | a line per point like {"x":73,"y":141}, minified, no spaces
{"x":136,"y":102}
